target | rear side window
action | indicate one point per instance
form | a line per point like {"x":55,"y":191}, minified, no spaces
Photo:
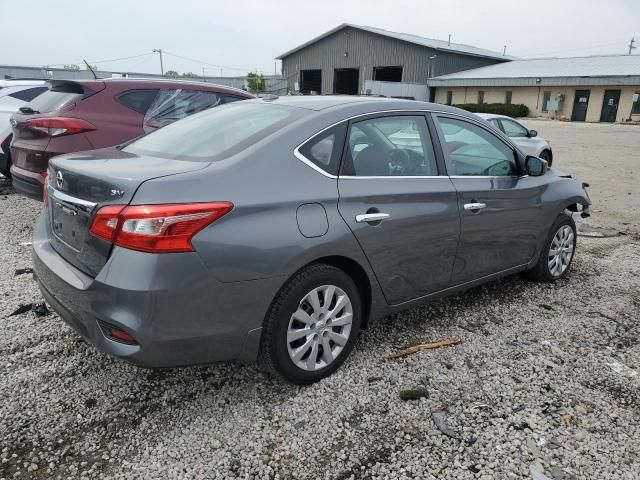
{"x":138,"y":100}
{"x":52,"y":100}
{"x":217,"y":133}
{"x":172,"y":105}
{"x":324,"y":150}
{"x":28,"y":94}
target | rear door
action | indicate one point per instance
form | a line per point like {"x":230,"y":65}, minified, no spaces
{"x":501,"y":214}
{"x":399,"y":204}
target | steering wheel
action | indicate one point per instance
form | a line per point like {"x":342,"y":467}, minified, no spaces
{"x":401,"y":162}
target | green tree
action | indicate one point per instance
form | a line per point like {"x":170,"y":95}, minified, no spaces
{"x":256,"y":83}
{"x":171,"y":73}
{"x":189,"y":74}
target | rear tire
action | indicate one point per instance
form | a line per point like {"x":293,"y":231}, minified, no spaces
{"x":546,"y":155}
{"x":312,"y":325}
{"x":558,"y":251}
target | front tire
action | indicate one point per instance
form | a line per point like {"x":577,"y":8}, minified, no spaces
{"x":312,"y":325}
{"x":546,"y":155}
{"x":558,"y":251}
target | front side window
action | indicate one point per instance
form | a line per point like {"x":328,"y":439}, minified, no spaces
{"x":138,"y":100}
{"x":475,"y":151}
{"x":513,"y":129}
{"x":176,"y":104}
{"x":324,"y":149}
{"x":390,"y":146}
{"x":216,"y":133}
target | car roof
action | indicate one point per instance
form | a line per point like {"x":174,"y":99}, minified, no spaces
{"x":165,"y":82}
{"x":488,"y":116}
{"x":365,"y":103}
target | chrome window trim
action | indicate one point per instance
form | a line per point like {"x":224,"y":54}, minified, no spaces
{"x":306,"y":161}
{"x":355,"y":177}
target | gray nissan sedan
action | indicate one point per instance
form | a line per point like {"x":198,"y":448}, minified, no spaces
{"x":276,"y":229}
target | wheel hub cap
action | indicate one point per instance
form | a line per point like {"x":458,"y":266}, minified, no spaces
{"x":561,"y":251}
{"x":320,"y":328}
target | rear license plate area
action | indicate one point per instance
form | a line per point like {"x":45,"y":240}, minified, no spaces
{"x":68,"y":224}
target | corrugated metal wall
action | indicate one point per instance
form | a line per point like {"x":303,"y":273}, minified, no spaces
{"x":365,"y":50}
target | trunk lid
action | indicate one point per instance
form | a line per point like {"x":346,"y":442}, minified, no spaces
{"x":80,"y":184}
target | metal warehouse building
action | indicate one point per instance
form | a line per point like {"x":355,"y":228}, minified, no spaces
{"x":353,"y":59}
{"x":594,"y":89}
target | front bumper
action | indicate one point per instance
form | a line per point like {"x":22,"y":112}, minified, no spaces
{"x":28,"y":183}
{"x":174,"y":308}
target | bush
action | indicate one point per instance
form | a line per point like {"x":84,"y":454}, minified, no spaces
{"x":508,"y":109}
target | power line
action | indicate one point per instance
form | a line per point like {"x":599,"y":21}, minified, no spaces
{"x":226,"y":67}
{"x":123,"y":58}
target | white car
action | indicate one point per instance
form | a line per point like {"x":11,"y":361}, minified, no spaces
{"x":526,"y":139}
{"x":13,"y":95}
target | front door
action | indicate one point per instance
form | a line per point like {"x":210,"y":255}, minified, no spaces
{"x":501,"y":213}
{"x":398,"y":204}
{"x":610,"y":106}
{"x":580,"y":105}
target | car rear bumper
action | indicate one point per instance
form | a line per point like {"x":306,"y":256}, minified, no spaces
{"x":180,"y":316}
{"x":27,"y":183}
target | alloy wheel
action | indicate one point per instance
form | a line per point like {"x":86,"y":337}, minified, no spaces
{"x":320,"y":328}
{"x":561,"y":251}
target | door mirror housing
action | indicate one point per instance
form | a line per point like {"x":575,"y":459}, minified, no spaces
{"x":533,"y":133}
{"x":535,"y":166}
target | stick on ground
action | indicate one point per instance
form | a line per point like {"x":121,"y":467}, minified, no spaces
{"x":423,"y":346}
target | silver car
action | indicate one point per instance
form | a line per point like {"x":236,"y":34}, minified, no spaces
{"x":527,"y":140}
{"x":276,"y":229}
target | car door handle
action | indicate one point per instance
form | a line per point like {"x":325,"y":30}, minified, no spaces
{"x":371,"y":217}
{"x":474,"y":206}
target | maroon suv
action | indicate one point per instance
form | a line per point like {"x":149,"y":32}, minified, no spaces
{"x":72,"y":116}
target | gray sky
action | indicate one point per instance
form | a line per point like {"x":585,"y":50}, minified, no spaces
{"x":247,"y":35}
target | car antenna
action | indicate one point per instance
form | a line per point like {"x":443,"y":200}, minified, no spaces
{"x":95,"y":77}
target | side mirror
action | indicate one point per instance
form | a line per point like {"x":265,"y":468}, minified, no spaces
{"x":535,"y":166}
{"x":533,"y":133}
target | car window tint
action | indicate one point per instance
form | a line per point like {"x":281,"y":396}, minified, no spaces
{"x":52,"y":100}
{"x":216,"y":133}
{"x":391,"y":146}
{"x":513,"y":129}
{"x":473,"y":150}
{"x":138,"y":100}
{"x":28,"y":94}
{"x":172,"y":105}
{"x":324,"y":150}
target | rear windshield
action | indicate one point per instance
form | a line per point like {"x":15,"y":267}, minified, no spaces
{"x":216,"y":133}
{"x":51,"y":100}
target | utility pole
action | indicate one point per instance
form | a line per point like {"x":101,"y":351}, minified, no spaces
{"x":204,"y":72}
{"x":631,"y":46}
{"x":159,"y":51}
{"x":504,"y":51}
{"x":449,"y":42}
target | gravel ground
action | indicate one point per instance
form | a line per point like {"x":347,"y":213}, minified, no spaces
{"x":545,"y":381}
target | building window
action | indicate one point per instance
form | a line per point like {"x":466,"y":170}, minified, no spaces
{"x":635,"y":109}
{"x":449,"y":97}
{"x":311,"y":81}
{"x":507,"y":97}
{"x":545,"y":100}
{"x":387,"y":74}
{"x":480,"y":96}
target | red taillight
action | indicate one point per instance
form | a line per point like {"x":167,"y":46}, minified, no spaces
{"x":56,"y":126}
{"x":156,"y":228}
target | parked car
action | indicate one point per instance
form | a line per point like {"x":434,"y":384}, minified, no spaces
{"x":13,"y":95}
{"x":79,"y":115}
{"x":255,"y":230}
{"x":526,"y":139}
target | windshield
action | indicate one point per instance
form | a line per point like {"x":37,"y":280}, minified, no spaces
{"x":217,"y":133}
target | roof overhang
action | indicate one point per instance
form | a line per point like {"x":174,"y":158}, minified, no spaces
{"x":534,"y":81}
